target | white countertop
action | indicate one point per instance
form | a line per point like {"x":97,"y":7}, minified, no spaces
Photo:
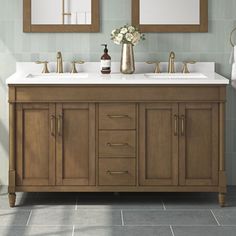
{"x":113,"y":79}
{"x":28,"y":73}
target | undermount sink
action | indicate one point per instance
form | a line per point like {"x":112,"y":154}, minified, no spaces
{"x":58,"y":76}
{"x":175,"y":76}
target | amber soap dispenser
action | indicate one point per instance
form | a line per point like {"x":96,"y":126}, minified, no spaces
{"x":105,"y":61}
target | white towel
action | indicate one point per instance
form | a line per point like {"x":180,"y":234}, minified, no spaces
{"x":233,"y":62}
{"x":74,"y":20}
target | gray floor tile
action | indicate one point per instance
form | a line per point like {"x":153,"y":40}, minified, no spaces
{"x":14,"y":217}
{"x":226,"y":216}
{"x":97,"y":217}
{"x":45,"y":203}
{"x":204,"y":231}
{"x":123,"y":231}
{"x":56,"y":217}
{"x":52,"y":217}
{"x":119,"y":205}
{"x":35,"y":231}
{"x":170,"y":217}
{"x":191,"y":203}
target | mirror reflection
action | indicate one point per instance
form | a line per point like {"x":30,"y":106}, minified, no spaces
{"x":61,"y":12}
{"x":170,"y":12}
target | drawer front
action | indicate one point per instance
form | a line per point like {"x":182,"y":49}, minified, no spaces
{"x":117,"y":116}
{"x":117,"y":143}
{"x":114,"y":172}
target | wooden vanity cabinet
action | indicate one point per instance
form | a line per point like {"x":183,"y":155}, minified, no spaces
{"x":75,"y":144}
{"x":198,"y":144}
{"x":35,"y":145}
{"x":158,"y":148}
{"x":178,"y":144}
{"x":55,"y":144}
{"x":85,"y":138}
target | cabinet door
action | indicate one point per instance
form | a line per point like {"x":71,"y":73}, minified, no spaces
{"x":199,"y":144}
{"x":158,"y":149}
{"x":35,"y":140}
{"x":75,"y":144}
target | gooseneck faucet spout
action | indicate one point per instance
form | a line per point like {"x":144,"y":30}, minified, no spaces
{"x":171,"y":65}
{"x":59,"y":63}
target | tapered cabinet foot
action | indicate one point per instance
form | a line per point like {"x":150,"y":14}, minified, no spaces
{"x":12,"y":199}
{"x":222,"y":200}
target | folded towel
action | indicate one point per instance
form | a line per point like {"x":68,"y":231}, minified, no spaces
{"x":233,"y":62}
{"x":74,"y":20}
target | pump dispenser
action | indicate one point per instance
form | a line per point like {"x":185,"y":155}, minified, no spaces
{"x":105,"y":61}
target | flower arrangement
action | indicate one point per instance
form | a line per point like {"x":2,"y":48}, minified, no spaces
{"x":127,"y":34}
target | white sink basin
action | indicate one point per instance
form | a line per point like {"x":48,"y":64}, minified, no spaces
{"x":175,"y":76}
{"x":58,"y":76}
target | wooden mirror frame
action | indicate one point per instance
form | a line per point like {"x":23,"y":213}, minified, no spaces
{"x":29,"y":27}
{"x":202,"y":27}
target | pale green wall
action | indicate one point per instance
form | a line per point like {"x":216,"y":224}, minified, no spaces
{"x":213,"y":46}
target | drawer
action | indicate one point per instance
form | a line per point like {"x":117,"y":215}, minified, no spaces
{"x":117,"y":143}
{"x":119,"y":171}
{"x":117,"y":116}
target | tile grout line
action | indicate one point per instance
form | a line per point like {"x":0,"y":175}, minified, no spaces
{"x":122,"y":218}
{"x":172,"y":231}
{"x":73,"y":230}
{"x":218,"y":223}
{"x":163,"y":204}
{"x":29,"y":218}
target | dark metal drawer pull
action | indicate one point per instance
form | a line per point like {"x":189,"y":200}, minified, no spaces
{"x":117,"y":116}
{"x":117,"y":172}
{"x":117,"y":144}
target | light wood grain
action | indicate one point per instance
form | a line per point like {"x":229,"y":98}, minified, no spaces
{"x":117,"y":116}
{"x":60,"y":28}
{"x":76,"y":145}
{"x":117,"y":143}
{"x":199,"y":156}
{"x":158,"y":145}
{"x":107,"y":166}
{"x":35,"y":145}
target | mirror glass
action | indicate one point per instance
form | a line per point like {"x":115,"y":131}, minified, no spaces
{"x":61,"y":12}
{"x":170,"y":12}
{"x":170,"y":15}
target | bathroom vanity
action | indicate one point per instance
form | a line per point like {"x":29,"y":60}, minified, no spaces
{"x":117,"y":133}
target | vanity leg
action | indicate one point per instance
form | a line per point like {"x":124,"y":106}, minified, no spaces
{"x":222,"y":199}
{"x":12,"y":199}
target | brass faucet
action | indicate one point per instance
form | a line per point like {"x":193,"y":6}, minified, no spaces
{"x":171,"y":65}
{"x":59,"y":63}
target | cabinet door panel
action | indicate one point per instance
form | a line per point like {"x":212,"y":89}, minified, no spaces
{"x":199,"y":144}
{"x":76,"y":144}
{"x":35,"y":145}
{"x":158,"y":144}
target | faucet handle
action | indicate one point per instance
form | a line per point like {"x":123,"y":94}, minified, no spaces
{"x":74,"y":70}
{"x":185,"y":66}
{"x":157,"y":63}
{"x":45,"y":68}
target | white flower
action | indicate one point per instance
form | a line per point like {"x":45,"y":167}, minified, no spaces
{"x":118,"y":39}
{"x":126,"y":34}
{"x":136,"y":38}
{"x":131,"y":29}
{"x":129,"y":37}
{"x":123,"y":30}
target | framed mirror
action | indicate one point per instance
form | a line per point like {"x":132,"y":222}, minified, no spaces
{"x":170,"y":15}
{"x":61,"y":16}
